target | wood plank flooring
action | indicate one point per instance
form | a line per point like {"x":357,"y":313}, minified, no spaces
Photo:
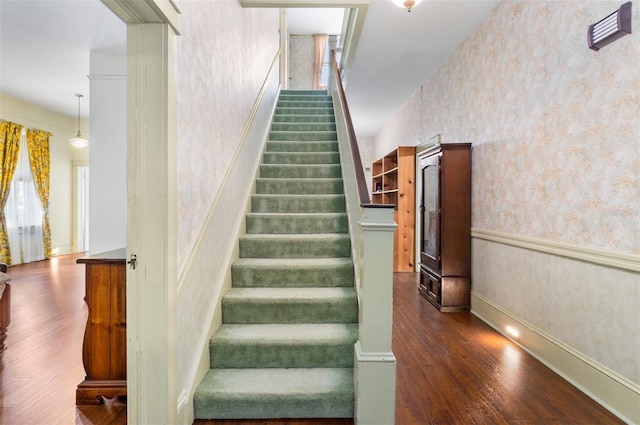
{"x":42,"y":366}
{"x":452,"y":368}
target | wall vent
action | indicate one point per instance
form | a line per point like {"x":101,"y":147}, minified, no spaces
{"x":611,"y":28}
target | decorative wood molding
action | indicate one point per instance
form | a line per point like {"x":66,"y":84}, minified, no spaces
{"x":603,"y":257}
{"x":146,"y":12}
{"x":614,"y":392}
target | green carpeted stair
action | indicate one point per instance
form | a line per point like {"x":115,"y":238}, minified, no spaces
{"x":285,"y":348}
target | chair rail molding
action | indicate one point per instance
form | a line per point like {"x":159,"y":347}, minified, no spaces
{"x":603,"y":257}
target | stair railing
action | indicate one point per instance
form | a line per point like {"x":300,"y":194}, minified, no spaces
{"x":371,"y":229}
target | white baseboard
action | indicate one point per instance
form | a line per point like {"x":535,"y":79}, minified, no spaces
{"x":615,"y":393}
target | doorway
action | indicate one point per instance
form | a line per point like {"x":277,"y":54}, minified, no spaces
{"x":81,"y":206}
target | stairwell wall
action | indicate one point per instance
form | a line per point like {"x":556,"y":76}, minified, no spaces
{"x":225,"y":58}
{"x":555,"y":132}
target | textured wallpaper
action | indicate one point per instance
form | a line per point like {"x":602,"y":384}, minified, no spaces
{"x":554,"y":124}
{"x":555,"y":129}
{"x":224,"y":54}
{"x":301,"y":62}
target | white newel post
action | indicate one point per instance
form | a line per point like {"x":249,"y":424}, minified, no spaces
{"x":375,"y":364}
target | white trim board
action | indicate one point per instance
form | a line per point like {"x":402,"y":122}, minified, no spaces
{"x":603,"y":257}
{"x":617,"y":394}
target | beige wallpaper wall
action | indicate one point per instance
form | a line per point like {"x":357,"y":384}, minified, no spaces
{"x":224,"y":54}
{"x":556,"y":156}
{"x":224,"y":57}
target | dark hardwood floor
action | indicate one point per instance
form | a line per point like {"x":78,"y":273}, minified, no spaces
{"x":452,"y":368}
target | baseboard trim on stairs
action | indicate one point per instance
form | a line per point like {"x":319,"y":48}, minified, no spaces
{"x":617,"y":394}
{"x":202,"y":262}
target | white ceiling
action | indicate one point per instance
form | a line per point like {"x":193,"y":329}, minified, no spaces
{"x":45,"y":44}
{"x":309,"y":21}
{"x":398,"y":51}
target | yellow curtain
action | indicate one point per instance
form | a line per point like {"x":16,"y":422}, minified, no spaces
{"x":39,"y":157}
{"x":319,"y":45}
{"x":9,"y":148}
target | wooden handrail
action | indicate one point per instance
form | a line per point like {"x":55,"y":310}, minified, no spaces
{"x":361,"y":181}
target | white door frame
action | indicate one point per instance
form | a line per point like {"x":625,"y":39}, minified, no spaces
{"x":152,"y":27}
{"x":79,"y":200}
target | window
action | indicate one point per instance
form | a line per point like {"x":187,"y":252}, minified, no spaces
{"x":23,"y":212}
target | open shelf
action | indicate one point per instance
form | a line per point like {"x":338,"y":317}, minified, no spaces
{"x":393,"y":184}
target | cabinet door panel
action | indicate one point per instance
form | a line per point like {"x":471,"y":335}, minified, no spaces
{"x":118,"y":323}
{"x":97,"y":347}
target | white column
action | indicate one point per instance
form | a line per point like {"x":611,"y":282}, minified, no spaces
{"x":375,"y":364}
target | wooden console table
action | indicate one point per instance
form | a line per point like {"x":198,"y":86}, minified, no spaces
{"x":104,"y":352}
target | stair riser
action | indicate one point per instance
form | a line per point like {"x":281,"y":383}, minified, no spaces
{"x":310,"y":146}
{"x":332,"y":310}
{"x":299,"y":118}
{"x":326,"y":406}
{"x":289,"y":126}
{"x":303,"y":92}
{"x":301,"y":158}
{"x":292,"y":171}
{"x":295,"y":248}
{"x":298,"y":204}
{"x":275,"y":276}
{"x":299,"y":187}
{"x":304,"y":111}
{"x":303,"y":136}
{"x":261,"y":355}
{"x":316,"y":103}
{"x":292,"y":224}
{"x":304,"y":98}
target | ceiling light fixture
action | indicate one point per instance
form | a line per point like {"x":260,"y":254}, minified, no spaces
{"x":79,"y":141}
{"x":409,"y":4}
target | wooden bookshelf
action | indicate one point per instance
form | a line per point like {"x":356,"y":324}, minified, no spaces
{"x":393,"y":183}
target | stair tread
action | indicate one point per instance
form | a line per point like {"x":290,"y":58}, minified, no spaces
{"x":305,"y":382}
{"x":289,"y":294}
{"x":300,"y":195}
{"x":327,"y":165}
{"x":278,"y":236}
{"x":275,"y":393}
{"x":297,"y":214}
{"x":301,"y":179}
{"x":308,"y":334}
{"x":293,"y":262}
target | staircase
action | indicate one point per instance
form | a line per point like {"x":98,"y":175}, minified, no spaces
{"x":286,"y":345}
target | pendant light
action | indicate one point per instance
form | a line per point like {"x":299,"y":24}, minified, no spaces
{"x":409,"y":4}
{"x":79,"y":141}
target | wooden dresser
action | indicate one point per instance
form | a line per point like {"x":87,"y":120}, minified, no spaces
{"x":104,"y":352}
